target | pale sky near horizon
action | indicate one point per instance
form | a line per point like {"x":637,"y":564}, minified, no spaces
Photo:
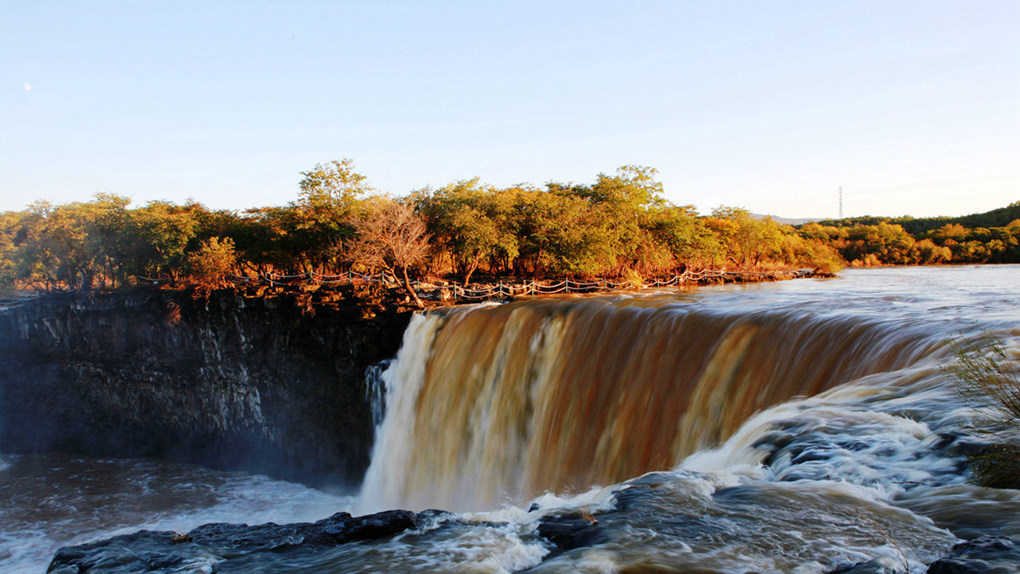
{"x":912,"y":107}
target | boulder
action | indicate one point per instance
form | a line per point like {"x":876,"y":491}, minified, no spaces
{"x":151,"y":551}
{"x":987,"y":555}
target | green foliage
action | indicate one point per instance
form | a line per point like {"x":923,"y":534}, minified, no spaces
{"x":747,"y":240}
{"x":633,"y":187}
{"x":563,"y":234}
{"x":334,"y":185}
{"x":985,"y":370}
{"x":78,"y":244}
{"x":989,"y":379}
{"x":801,"y":251}
{"x":318,"y":224}
{"x":469,"y":221}
{"x":159,"y":235}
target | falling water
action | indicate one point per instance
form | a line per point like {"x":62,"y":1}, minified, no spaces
{"x":506,"y":402}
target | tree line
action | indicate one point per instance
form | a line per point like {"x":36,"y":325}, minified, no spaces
{"x":991,"y":237}
{"x":616,"y":226}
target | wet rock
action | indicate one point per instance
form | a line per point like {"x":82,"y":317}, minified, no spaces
{"x":150,"y":551}
{"x":569,"y":533}
{"x":346,"y":528}
{"x":987,"y":554}
{"x":241,"y":538}
{"x":142,"y":551}
{"x":639,"y":488}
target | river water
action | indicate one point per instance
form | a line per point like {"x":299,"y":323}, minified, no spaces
{"x":781,"y":427}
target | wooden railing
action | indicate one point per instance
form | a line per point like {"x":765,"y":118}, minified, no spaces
{"x":510,"y":289}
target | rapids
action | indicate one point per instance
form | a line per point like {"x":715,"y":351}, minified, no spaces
{"x":798,"y":426}
{"x":500,"y":403}
{"x":795,"y":426}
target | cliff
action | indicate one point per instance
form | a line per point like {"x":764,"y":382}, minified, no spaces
{"x":264,"y":384}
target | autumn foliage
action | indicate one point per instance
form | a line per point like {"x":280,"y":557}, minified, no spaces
{"x":618,"y":226}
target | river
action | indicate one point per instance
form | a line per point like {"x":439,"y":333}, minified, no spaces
{"x":779,"y":427}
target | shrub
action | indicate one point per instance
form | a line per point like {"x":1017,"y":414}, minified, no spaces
{"x":211,"y":263}
{"x":990,"y":380}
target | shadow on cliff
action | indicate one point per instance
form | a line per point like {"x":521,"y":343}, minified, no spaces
{"x":274,"y":385}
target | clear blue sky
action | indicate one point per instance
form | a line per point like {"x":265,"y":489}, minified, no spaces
{"x":912,"y":107}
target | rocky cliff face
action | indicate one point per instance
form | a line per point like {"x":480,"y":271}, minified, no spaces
{"x":265,"y":384}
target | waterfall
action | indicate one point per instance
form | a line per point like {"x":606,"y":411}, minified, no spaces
{"x":500,"y":403}
{"x":375,"y":390}
{"x":402,"y":379}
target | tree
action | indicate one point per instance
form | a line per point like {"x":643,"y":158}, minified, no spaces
{"x":952,"y":231}
{"x":470,"y":221}
{"x":160,"y":233}
{"x":884,"y":243}
{"x":925,"y":252}
{"x":75,"y":244}
{"x":747,"y":239}
{"x":680,"y":231}
{"x":562,"y":233}
{"x":390,"y":236}
{"x":622,"y":207}
{"x":56,"y":246}
{"x":334,"y":183}
{"x":633,"y":187}
{"x":11,"y":226}
{"x":318,"y":223}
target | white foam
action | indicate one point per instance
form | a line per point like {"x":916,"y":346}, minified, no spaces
{"x":384,"y":480}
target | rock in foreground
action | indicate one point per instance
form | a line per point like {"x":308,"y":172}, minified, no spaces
{"x":198,"y":550}
{"x":987,"y":554}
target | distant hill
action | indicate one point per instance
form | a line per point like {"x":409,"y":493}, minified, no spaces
{"x":995,"y":218}
{"x":786,"y":220}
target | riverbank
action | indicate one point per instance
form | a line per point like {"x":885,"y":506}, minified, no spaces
{"x":377,"y":292}
{"x":440,"y":293}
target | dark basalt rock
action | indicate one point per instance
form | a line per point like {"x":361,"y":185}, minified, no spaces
{"x":344,"y":528}
{"x":568,"y":533}
{"x":148,"y":551}
{"x":987,"y":554}
{"x":268,"y":385}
